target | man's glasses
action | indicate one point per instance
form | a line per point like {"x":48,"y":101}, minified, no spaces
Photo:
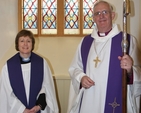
{"x":104,"y":12}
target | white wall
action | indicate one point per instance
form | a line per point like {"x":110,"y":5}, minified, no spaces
{"x":59,"y":51}
{"x":8,"y":25}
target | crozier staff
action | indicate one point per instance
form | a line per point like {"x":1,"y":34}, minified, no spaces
{"x":126,"y":11}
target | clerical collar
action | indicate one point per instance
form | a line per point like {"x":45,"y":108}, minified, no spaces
{"x":103,"y":34}
{"x":25,"y":60}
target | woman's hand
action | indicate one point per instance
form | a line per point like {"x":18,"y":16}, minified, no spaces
{"x":35,"y":109}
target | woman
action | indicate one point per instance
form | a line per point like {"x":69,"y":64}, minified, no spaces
{"x":26,"y":84}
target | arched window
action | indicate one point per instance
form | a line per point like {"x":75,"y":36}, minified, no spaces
{"x":56,"y":17}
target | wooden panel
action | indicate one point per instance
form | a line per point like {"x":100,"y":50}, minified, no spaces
{"x":62,"y":86}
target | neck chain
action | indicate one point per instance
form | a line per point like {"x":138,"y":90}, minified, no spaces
{"x":97,"y":60}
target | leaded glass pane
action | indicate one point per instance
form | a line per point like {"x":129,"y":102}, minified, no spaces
{"x":88,"y":15}
{"x":30,"y":14}
{"x":71,"y":14}
{"x":71,"y":8}
{"x":49,"y":16}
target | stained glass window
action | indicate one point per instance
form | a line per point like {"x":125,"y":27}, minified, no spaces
{"x":71,"y":17}
{"x":57,"y":17}
{"x":30,"y":15}
{"x":88,"y":15}
{"x":49,"y":17}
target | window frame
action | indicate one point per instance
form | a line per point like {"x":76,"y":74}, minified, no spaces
{"x":60,"y":20}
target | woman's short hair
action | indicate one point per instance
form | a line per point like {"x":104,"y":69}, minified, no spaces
{"x":24,"y":33}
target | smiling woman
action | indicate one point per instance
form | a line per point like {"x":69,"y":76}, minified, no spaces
{"x":24,"y":43}
{"x":26,"y":83}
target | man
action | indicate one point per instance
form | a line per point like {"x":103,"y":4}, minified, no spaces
{"x":96,"y":70}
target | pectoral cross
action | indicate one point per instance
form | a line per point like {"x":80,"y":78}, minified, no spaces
{"x":96,"y":61}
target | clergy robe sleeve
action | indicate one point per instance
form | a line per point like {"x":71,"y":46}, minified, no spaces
{"x":135,"y":53}
{"x":9,"y":103}
{"x":135,"y":89}
{"x":41,"y":101}
{"x":76,"y":70}
{"x":49,"y":89}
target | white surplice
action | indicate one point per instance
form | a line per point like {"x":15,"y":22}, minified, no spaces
{"x":94,"y":97}
{"x":9,"y":103}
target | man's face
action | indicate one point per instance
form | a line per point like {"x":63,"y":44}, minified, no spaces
{"x":103,"y":17}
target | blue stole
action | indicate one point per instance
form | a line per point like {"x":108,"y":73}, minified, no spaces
{"x":113,"y":103}
{"x":16,"y":78}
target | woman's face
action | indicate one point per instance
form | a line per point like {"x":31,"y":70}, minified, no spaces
{"x":25,"y":46}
